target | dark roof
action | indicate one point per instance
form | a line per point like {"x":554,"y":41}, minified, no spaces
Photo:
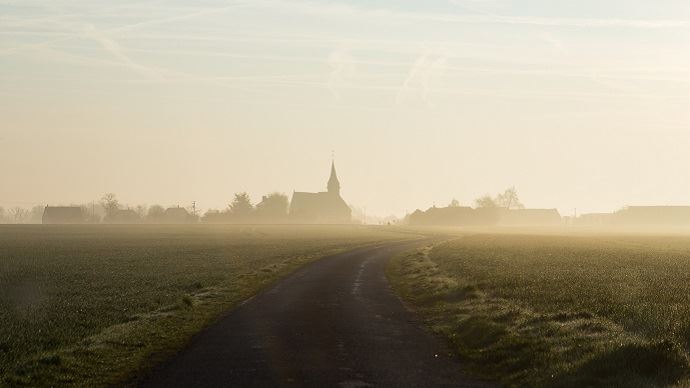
{"x":333,"y":182}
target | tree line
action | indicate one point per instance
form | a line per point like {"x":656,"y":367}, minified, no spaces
{"x":273,"y":208}
{"x":508,"y":199}
{"x":20,"y":215}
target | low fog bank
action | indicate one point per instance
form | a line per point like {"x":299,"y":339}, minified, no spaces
{"x":503,"y":213}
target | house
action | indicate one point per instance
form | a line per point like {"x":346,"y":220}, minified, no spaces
{"x":63,"y":215}
{"x":455,"y":216}
{"x":326,"y":207}
{"x":486,"y":216}
{"x":176,"y":215}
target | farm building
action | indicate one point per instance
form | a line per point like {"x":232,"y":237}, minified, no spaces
{"x":455,"y":216}
{"x":490,"y":216}
{"x":63,"y":215}
{"x":177,"y":215}
{"x":324,"y":207}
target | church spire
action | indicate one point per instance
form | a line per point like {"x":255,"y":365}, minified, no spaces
{"x":333,"y":183}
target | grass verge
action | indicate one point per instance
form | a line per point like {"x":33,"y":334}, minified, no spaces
{"x":528,"y":310}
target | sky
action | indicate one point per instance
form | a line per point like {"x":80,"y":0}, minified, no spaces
{"x":578,"y":104}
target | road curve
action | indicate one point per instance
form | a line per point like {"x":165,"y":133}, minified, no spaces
{"x":333,"y":323}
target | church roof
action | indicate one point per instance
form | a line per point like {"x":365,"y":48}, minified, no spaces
{"x":333,"y":183}
{"x":323,"y":207}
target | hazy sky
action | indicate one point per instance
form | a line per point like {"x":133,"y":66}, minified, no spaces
{"x":577,"y":103}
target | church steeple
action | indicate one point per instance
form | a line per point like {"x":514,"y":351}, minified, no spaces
{"x":333,"y":183}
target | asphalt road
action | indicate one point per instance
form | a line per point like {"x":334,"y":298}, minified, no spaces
{"x":333,"y":323}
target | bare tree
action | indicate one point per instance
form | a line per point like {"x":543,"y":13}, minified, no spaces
{"x":509,"y":199}
{"x":110,"y":204}
{"x":19,"y":215}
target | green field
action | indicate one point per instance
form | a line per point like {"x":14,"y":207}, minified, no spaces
{"x":558,"y":310}
{"x":96,"y":305}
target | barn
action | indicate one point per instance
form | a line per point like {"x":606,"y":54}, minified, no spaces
{"x":63,"y":215}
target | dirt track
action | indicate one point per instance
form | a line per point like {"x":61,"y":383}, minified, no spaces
{"x":334,"y":323}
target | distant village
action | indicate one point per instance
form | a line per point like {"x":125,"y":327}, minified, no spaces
{"x":328,"y":207}
{"x":505,"y":209}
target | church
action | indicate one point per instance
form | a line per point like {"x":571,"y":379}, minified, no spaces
{"x":321,"y":208}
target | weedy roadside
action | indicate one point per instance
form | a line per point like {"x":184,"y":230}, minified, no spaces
{"x":557,"y":310}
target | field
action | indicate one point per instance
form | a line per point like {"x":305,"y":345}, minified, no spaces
{"x":97,"y":305}
{"x":558,"y":310}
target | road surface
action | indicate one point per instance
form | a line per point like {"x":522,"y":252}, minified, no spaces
{"x":333,"y":323}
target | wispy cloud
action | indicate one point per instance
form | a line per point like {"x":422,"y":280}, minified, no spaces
{"x":426,"y":67}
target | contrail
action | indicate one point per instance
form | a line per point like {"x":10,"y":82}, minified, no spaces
{"x":420,"y":63}
{"x":112,"y":47}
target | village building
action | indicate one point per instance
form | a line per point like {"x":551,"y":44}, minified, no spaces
{"x":487,"y":216}
{"x":177,"y":215}
{"x":63,"y":215}
{"x":326,"y":207}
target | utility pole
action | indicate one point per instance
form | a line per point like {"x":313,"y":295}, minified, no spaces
{"x":194,"y":208}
